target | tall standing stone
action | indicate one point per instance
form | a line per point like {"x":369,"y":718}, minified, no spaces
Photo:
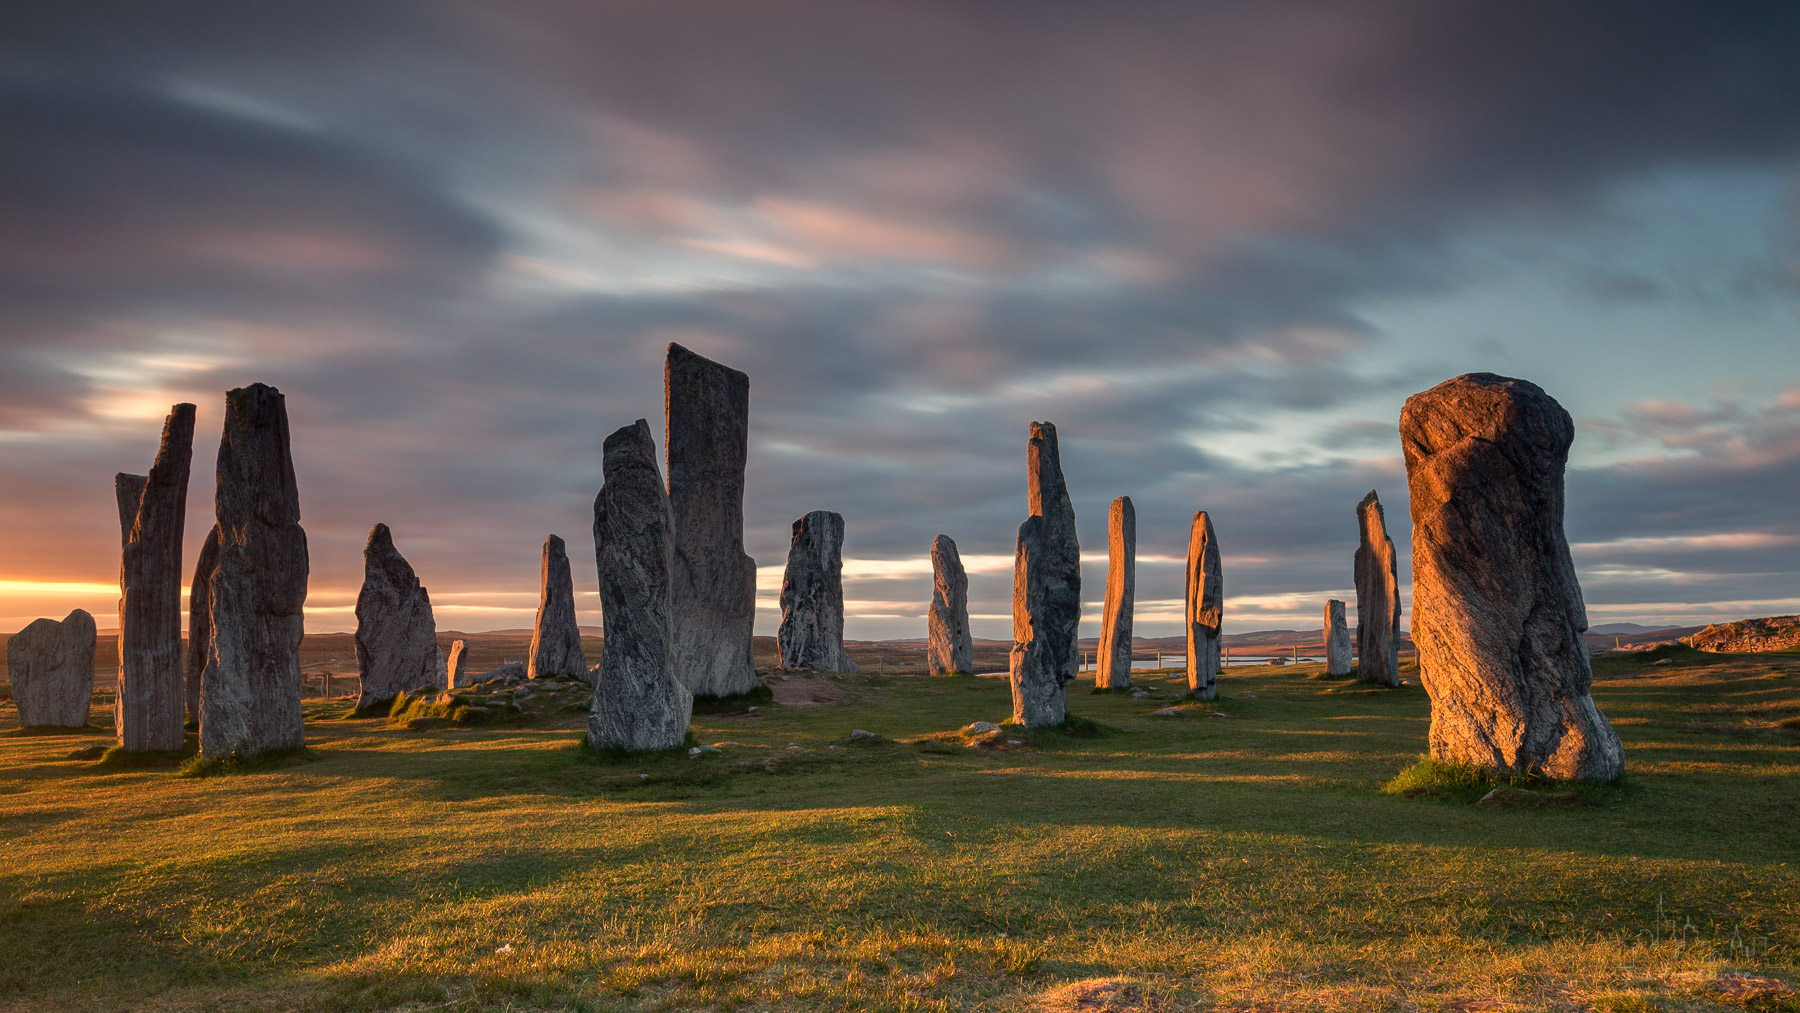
{"x":456,"y":665}
{"x":707,"y":419}
{"x":147,"y":713}
{"x":812,"y":596}
{"x":1046,"y":590}
{"x":1205,"y":609}
{"x":949,"y":648}
{"x":250,"y":691}
{"x":1497,"y":612}
{"x":556,"y":636}
{"x":1112,"y":663}
{"x":640,"y":702}
{"x":1377,"y":597}
{"x":396,"y":634}
{"x":51,"y":667}
{"x":199,"y":646}
{"x":1337,"y":640}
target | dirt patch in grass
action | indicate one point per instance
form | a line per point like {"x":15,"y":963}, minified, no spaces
{"x":806,"y":689}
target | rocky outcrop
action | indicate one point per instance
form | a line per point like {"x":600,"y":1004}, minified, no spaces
{"x":1046,"y":590}
{"x":456,"y":665}
{"x":949,"y":648}
{"x":147,"y":713}
{"x":1497,"y":611}
{"x":250,"y":690}
{"x":1748,"y":636}
{"x":1205,"y":609}
{"x":51,"y":667}
{"x":1112,"y":663}
{"x":556,"y":636}
{"x":199,"y":645}
{"x":396,"y":634}
{"x":1337,"y":640}
{"x":640,"y":702}
{"x":812,"y":596}
{"x":1377,"y":597}
{"x":708,"y":425}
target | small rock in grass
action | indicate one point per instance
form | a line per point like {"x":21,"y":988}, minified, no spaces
{"x":88,"y":753}
{"x":862,"y":735}
{"x":1167,"y":712}
{"x":981,"y":728}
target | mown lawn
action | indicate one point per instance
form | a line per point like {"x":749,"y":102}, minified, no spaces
{"x":1234,"y":857}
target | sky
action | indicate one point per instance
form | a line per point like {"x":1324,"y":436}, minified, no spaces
{"x":1217,"y":245}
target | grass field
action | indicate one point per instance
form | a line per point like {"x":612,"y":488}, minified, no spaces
{"x":1237,"y":856}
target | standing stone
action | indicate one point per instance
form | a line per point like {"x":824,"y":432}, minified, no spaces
{"x":640,"y":702}
{"x":51,"y":667}
{"x":1046,"y":590}
{"x":396,"y":635}
{"x":812,"y":596}
{"x":1205,"y":609}
{"x":456,"y":665}
{"x":1497,"y":612}
{"x":1337,"y":640}
{"x":1112,"y":664}
{"x":707,"y":419}
{"x":199,"y":647}
{"x":949,"y":648}
{"x":147,"y":713}
{"x":1377,"y":597}
{"x":250,"y":691}
{"x":556,"y":636}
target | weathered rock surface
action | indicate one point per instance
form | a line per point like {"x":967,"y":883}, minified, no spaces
{"x":1112,"y":663}
{"x":1748,"y":636}
{"x":1205,"y":608}
{"x":199,"y":645}
{"x":1497,"y":611}
{"x":1337,"y":640}
{"x":51,"y":667}
{"x":511,"y":671}
{"x":640,"y":702}
{"x":147,"y":714}
{"x":556,"y":636}
{"x":949,"y":647}
{"x":707,"y":417}
{"x":456,"y":665}
{"x":1046,"y":590}
{"x":396,"y":634}
{"x":1377,"y":597}
{"x":250,"y":691}
{"x":812,"y":596}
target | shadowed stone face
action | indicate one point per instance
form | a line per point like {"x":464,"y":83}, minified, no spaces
{"x":250,"y":690}
{"x":1337,"y":640}
{"x":1377,"y":597}
{"x":949,"y":647}
{"x":812,"y":596}
{"x":396,"y":635}
{"x":556,"y":636}
{"x":1205,"y":608}
{"x":640,"y":702}
{"x":707,"y":410}
{"x":147,"y":714}
{"x":199,"y":646}
{"x":51,"y":667}
{"x":1113,"y":662}
{"x":1497,"y":611}
{"x":1046,"y":590}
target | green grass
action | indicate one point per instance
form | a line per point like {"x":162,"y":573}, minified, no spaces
{"x":1241,"y":855}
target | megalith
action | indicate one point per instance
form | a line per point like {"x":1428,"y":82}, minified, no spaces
{"x":1497,"y":611}
{"x":250,"y":690}
{"x":147,"y":710}
{"x":396,"y":635}
{"x":949,"y":647}
{"x":556,"y":636}
{"x":1112,"y":662}
{"x":199,"y":645}
{"x":640,"y":702}
{"x":1337,"y":640}
{"x":51,"y":667}
{"x":456,"y":665}
{"x":812,"y":596}
{"x":1205,"y":608}
{"x":707,"y":422}
{"x":1377,"y":597}
{"x":1046,"y":590}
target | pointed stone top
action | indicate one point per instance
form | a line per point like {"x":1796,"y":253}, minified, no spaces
{"x":1370,"y":498}
{"x":638,"y":432}
{"x":379,"y":535}
{"x":554,"y":543}
{"x":680,"y":356}
{"x":945,"y":541}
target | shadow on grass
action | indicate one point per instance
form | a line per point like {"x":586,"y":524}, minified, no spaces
{"x":35,"y":731}
{"x":225,"y":766}
{"x":1466,"y":783}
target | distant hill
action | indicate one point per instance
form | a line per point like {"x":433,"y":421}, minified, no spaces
{"x":1629,"y":629}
